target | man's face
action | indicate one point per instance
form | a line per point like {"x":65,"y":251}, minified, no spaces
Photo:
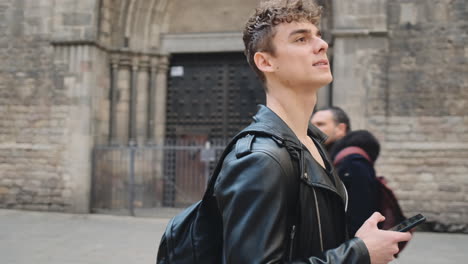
{"x":325,"y":122}
{"x":300,"y":59}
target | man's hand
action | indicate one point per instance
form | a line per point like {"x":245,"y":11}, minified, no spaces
{"x":381,"y":244}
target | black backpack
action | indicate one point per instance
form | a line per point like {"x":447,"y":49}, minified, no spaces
{"x":195,"y":235}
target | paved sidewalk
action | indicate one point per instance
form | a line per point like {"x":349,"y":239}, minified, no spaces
{"x":52,"y":238}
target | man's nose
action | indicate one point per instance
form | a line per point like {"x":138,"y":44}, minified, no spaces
{"x":320,"y":45}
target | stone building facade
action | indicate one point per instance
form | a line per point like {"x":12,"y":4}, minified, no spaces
{"x":77,"y":74}
{"x":402,"y":73}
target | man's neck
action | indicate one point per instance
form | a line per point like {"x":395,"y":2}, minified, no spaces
{"x":295,"y":108}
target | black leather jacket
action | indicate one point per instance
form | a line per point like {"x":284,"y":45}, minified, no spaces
{"x":270,"y":214}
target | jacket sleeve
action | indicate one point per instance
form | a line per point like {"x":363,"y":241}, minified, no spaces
{"x":352,"y":251}
{"x":252,"y":196}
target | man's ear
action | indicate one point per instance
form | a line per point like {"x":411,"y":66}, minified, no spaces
{"x":263,"y":61}
{"x":341,"y":130}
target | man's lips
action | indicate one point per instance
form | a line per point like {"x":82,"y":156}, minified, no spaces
{"x":321,"y":63}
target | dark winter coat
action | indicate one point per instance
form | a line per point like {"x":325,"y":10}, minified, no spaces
{"x":354,"y":156}
{"x":358,"y":175}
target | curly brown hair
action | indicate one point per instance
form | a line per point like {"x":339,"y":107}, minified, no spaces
{"x":260,"y":28}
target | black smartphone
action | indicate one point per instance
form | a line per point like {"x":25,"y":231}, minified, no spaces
{"x":409,"y":223}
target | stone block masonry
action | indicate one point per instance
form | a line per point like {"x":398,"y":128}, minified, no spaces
{"x":32,"y":135}
{"x":425,"y":145}
{"x":405,"y":79}
{"x":46,"y":104}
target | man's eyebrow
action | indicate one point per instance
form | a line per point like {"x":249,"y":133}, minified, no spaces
{"x":304,"y":31}
{"x":300,"y":31}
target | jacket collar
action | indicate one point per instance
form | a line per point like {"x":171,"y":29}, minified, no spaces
{"x":270,"y":121}
{"x":317,"y":134}
{"x":273,"y":122}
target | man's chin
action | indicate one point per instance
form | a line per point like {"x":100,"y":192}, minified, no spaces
{"x":326,"y":81}
{"x":329,"y":79}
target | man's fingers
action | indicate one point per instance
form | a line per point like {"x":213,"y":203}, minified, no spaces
{"x":375,"y":218}
{"x":399,"y":236}
{"x":405,"y":236}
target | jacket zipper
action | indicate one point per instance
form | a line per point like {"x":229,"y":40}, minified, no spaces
{"x":306,"y":177}
{"x":293,"y":230}
{"x":318,"y":219}
{"x":346,"y":197}
{"x":293,"y":233}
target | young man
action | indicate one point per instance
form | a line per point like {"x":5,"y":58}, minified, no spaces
{"x":332,"y":121}
{"x":271,"y":212}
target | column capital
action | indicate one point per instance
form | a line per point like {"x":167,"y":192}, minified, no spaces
{"x":163,"y":63}
{"x":144,"y":62}
{"x":135,"y":63}
{"x":154,"y":64}
{"x":114,"y":60}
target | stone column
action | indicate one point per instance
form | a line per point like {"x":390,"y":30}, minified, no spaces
{"x":114,"y":64}
{"x":158,"y":103}
{"x":152,"y":101}
{"x":359,"y":60}
{"x":133,"y":99}
{"x":160,"y":99}
{"x":142,"y":99}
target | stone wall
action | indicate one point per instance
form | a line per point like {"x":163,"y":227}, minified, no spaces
{"x":360,"y":58}
{"x":72,"y":20}
{"x":48,"y":100}
{"x":426,"y":142}
{"x":428,"y":175}
{"x":221,"y":16}
{"x":405,"y":79}
{"x":32,"y":135}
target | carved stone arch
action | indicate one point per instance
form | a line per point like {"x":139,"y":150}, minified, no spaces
{"x":133,"y":105}
{"x":132,"y":24}
{"x":110,"y":33}
{"x":156,"y":25}
{"x":129,"y":31}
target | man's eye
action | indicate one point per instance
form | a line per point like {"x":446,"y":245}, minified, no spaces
{"x":301,"y":39}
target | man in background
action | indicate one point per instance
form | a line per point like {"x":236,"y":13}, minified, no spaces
{"x":332,"y":121}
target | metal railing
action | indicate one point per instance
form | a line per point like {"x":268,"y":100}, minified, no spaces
{"x":133,"y":177}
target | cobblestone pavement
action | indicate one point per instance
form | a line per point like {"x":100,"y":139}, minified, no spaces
{"x":53,"y":238}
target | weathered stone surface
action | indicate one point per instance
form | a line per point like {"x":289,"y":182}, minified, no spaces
{"x":412,"y":94}
{"x":39,"y":124}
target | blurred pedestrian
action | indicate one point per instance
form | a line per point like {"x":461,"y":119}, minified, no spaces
{"x":332,"y":121}
{"x":354,"y":156}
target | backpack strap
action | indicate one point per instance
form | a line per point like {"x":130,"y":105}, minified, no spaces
{"x":244,"y":147}
{"x":243,"y":141}
{"x":348,"y":151}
